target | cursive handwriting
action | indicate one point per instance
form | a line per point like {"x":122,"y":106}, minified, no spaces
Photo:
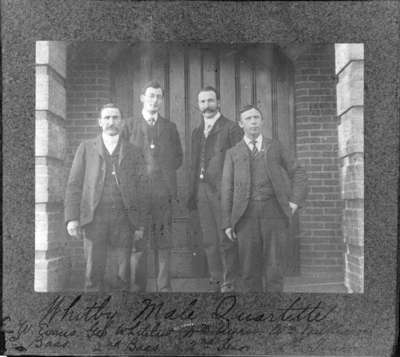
{"x":226,"y":309}
{"x":226,"y":327}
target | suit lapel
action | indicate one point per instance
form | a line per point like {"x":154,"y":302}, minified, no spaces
{"x":266,"y":144}
{"x":122,"y":151}
{"x":197,"y":138}
{"x":162,"y":125}
{"x":99,"y":146}
{"x":244,"y":160}
{"x":217,"y":126}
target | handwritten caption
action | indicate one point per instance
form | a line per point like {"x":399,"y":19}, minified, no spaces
{"x":154,"y":326}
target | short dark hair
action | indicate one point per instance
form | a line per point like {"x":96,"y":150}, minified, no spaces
{"x":209,"y":89}
{"x":247,"y":108}
{"x":152,"y":84}
{"x":111,"y":105}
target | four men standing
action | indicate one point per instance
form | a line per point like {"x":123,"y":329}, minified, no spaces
{"x":120,"y":194}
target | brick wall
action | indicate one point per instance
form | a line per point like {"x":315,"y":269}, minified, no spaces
{"x":317,"y":148}
{"x":88,"y":88}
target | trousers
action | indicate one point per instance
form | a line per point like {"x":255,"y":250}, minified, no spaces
{"x":110,"y":232}
{"x":158,"y":235}
{"x":261,"y":237}
{"x":221,"y":253}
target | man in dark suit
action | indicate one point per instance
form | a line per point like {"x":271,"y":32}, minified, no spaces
{"x":210,"y":140}
{"x":104,"y":200}
{"x":262,"y":187}
{"x":160,"y":144}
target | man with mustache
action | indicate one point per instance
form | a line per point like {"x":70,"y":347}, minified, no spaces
{"x":158,"y":140}
{"x":104,"y":200}
{"x":210,"y":140}
{"x":262,"y":187}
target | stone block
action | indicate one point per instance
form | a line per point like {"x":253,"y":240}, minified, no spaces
{"x":51,"y":274}
{"x":351,"y":132}
{"x":354,"y":282}
{"x":346,"y":52}
{"x":50,"y":137}
{"x":353,"y":227}
{"x":350,"y":87}
{"x":50,"y":180}
{"x":50,"y":92}
{"x":50,"y":230}
{"x":54,"y":54}
{"x":352,"y":176}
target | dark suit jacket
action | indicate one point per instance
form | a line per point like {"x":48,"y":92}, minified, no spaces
{"x":170,"y":148}
{"x":86,"y":181}
{"x":224,"y":134}
{"x":288,"y":178}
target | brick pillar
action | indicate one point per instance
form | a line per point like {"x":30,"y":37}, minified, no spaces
{"x":350,"y":105}
{"x":317,"y":148}
{"x":51,"y":263}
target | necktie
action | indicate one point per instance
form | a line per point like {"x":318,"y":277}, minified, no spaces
{"x":152,"y":121}
{"x":208,"y":129}
{"x":255,"y":150}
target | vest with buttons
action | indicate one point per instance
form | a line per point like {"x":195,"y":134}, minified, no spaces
{"x":261,"y":186}
{"x":159,"y":185}
{"x":111,"y":193}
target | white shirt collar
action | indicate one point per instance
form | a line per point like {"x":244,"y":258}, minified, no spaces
{"x":110,"y":142}
{"x":213,"y":119}
{"x":209,"y":123}
{"x":250,"y":145}
{"x":147,"y":116}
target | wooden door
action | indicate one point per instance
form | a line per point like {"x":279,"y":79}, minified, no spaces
{"x":256,"y":74}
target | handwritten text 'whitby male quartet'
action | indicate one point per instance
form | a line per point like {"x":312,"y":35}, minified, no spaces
{"x":101,"y":322}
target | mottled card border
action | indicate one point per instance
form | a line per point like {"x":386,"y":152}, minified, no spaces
{"x":369,"y":319}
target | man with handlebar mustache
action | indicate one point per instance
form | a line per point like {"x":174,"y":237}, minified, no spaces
{"x":210,"y":140}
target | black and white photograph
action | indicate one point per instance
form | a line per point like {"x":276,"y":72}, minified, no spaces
{"x":200,"y":178}
{"x":167,"y":167}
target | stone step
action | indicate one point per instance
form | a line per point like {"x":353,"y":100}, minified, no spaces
{"x":201,"y":285}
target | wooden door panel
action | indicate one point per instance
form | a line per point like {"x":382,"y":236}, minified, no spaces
{"x":159,"y":63}
{"x":177,"y":115}
{"x":242,"y":77}
{"x":264,"y":97}
{"x":194,"y":84}
{"x":227,"y":84}
{"x":245,"y":82}
{"x":209,"y":68}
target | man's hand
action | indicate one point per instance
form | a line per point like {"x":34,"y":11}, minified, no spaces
{"x":74,"y":229}
{"x":293,"y":206}
{"x":230,"y":233}
{"x":139,"y":233}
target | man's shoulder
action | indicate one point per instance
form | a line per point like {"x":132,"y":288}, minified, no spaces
{"x":90,"y":142}
{"x":166,"y":122}
{"x":237,"y":148}
{"x":227,"y":122}
{"x":129,"y":146}
{"x":273,"y":142}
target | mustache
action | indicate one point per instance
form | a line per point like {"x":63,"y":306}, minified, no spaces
{"x":208,"y":110}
